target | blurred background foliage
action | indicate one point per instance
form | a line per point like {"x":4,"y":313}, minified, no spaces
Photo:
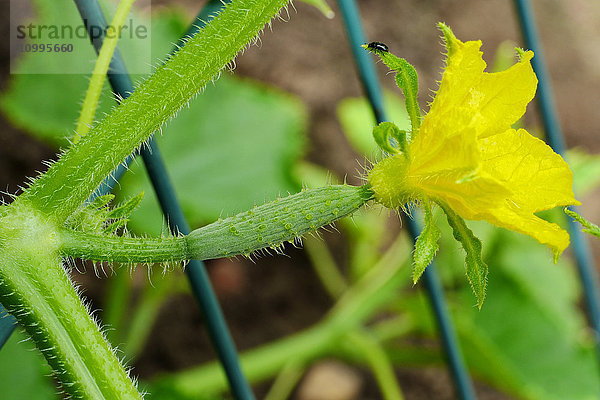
{"x":243,"y":142}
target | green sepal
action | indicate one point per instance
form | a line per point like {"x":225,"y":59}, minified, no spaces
{"x":426,"y":245}
{"x":385,"y":132}
{"x":91,"y":216}
{"x":101,"y":201}
{"x":588,"y":227}
{"x":449,"y":37}
{"x":407,"y":80}
{"x":118,"y":217}
{"x":125,"y":209}
{"x":476,"y":269}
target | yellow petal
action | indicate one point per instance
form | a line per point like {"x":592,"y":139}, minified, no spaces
{"x":534,"y":178}
{"x":550,"y":234}
{"x":538,"y":178}
{"x":505,"y":214}
{"x":464,"y":69}
{"x":501,"y":98}
{"x":469,"y":97}
{"x":436,"y":153}
{"x":471,"y":197}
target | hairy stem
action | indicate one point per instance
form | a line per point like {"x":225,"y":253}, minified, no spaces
{"x":71,"y":180}
{"x":265,"y":226}
{"x":36,"y":289}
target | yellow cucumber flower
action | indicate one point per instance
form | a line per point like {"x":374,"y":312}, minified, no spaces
{"x":466,"y":156}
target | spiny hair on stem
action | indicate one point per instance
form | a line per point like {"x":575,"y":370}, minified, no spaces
{"x":102,"y":329}
{"x":363,"y":169}
{"x":280,"y":17}
{"x":8,"y":194}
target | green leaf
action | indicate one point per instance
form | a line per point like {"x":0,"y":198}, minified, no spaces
{"x":477,"y":270}
{"x":356,"y":118}
{"x":101,"y":201}
{"x":91,"y":216}
{"x":426,"y":244}
{"x":97,"y":217}
{"x":125,"y":209}
{"x":589,"y":227}
{"x":118,"y":217}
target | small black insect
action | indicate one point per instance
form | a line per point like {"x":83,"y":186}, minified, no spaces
{"x":378,"y":46}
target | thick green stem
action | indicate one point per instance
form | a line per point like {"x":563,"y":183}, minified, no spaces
{"x":36,"y":289}
{"x":265,"y":226}
{"x":69,"y":182}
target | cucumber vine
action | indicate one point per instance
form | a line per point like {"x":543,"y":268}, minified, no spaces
{"x":53,"y":220}
{"x":47,"y":223}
